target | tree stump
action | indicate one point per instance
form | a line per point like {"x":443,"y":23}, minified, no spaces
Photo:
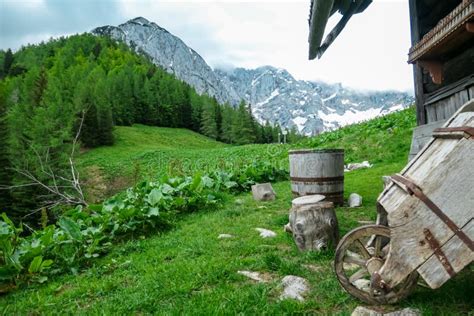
{"x":263,"y":192}
{"x":313,"y":223}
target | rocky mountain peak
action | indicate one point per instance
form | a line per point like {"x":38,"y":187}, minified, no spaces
{"x":273,"y":93}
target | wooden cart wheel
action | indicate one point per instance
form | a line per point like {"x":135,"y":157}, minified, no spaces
{"x":362,"y":252}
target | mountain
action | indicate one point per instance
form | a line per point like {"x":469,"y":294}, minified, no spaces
{"x":275,"y":96}
{"x":169,"y":52}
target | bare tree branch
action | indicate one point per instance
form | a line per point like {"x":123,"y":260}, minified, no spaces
{"x":69,"y":192}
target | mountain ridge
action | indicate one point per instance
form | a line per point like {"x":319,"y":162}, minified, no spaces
{"x":274,"y":94}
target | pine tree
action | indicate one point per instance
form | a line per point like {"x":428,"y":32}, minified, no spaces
{"x":105,"y":130}
{"x":7,"y":62}
{"x":90,"y":127}
{"x":227,"y":122}
{"x":5,"y":172}
{"x":208,"y":120}
{"x":244,"y":127}
{"x":40,"y":85}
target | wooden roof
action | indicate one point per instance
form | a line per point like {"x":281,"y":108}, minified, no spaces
{"x":319,"y":14}
{"x":451,"y":31}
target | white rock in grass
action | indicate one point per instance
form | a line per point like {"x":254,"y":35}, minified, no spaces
{"x":366,"y":311}
{"x":265,"y":233}
{"x":355,"y":200}
{"x":256,"y":276}
{"x":221,"y":236}
{"x":263,"y":192}
{"x":357,"y":165}
{"x":362,"y":284}
{"x":294,"y":287}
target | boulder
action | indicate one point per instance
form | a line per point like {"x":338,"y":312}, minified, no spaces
{"x":355,"y":200}
{"x":263,"y":192}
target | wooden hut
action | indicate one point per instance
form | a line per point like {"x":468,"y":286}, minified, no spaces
{"x":442,"y":54}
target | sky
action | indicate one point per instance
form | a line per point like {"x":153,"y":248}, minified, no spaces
{"x":370,"y":54}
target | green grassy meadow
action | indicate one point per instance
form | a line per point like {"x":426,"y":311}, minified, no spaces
{"x":188,"y":270}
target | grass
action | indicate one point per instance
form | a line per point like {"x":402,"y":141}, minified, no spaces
{"x":188,"y":270}
{"x":146,"y":153}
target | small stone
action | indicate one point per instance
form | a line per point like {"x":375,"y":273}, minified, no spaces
{"x":294,"y":287}
{"x":355,"y":200}
{"x":287,"y":228}
{"x":358,"y":165}
{"x":265,"y":233}
{"x":256,"y":276}
{"x":362,"y":284}
{"x":386,"y":181}
{"x":312,"y":267}
{"x":221,"y":236}
{"x":263,"y":192}
{"x":366,"y":311}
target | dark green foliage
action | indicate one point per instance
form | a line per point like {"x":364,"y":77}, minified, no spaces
{"x":7,"y":62}
{"x":384,"y":138}
{"x":81,"y":235}
{"x":244,"y":127}
{"x":5,"y":172}
{"x":52,"y":87}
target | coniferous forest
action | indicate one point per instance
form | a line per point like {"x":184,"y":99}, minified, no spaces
{"x":51,"y":91}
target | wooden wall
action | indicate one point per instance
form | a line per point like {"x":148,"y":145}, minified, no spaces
{"x":445,"y":108}
{"x":458,"y":65}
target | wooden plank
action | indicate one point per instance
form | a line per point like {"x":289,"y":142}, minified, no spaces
{"x":421,"y":136}
{"x":471,"y":93}
{"x":417,"y":71}
{"x":430,"y":114}
{"x":458,"y":254}
{"x":444,"y":172}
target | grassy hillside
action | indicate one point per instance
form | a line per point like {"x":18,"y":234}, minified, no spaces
{"x":189,"y":270}
{"x":146,"y":153}
{"x":143,"y":152}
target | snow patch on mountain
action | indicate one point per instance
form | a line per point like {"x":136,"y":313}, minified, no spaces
{"x":273,"y":93}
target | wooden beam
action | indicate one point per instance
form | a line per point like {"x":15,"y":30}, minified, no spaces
{"x":435,"y":68}
{"x":470,"y":27}
{"x":417,"y":71}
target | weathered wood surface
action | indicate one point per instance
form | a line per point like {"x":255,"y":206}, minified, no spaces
{"x":318,"y":172}
{"x":313,"y":224}
{"x":445,"y":108}
{"x":444,"y":170}
{"x":356,"y":261}
{"x":459,"y":256}
{"x":421,"y":136}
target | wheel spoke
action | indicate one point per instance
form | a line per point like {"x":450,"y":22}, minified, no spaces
{"x":378,"y":244}
{"x":358,"y":275}
{"x":385,"y":250}
{"x":362,"y":248}
{"x":354,"y":260}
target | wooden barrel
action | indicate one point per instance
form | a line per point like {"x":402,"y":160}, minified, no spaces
{"x":318,"y":171}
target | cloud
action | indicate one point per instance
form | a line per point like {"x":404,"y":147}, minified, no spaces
{"x":26,"y":21}
{"x":370,"y":53}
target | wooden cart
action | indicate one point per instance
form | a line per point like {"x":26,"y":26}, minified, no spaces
{"x":425,"y":224}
